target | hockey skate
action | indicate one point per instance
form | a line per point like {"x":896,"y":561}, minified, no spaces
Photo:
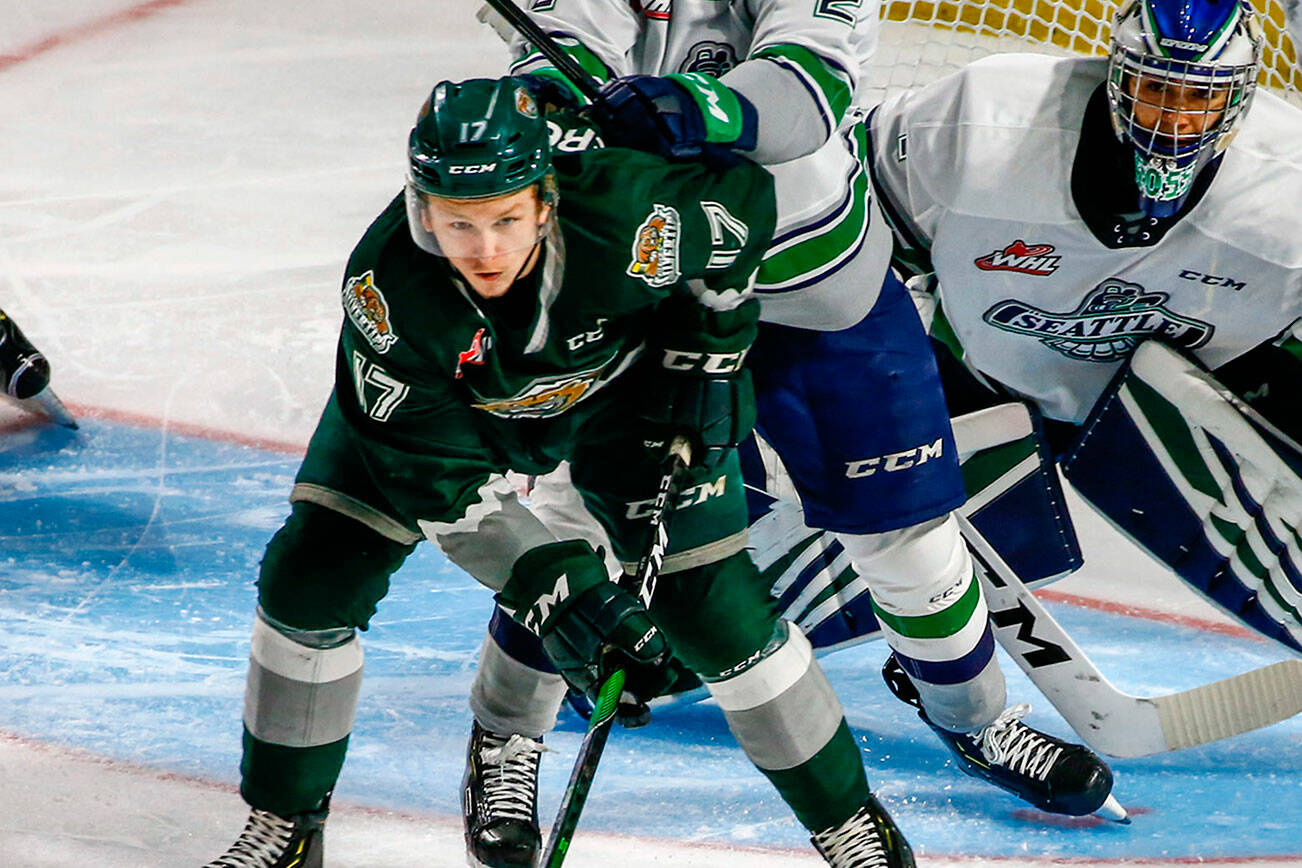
{"x":1054,"y":775}
{"x":25,"y":374}
{"x":499,"y":799}
{"x":869,"y":839}
{"x":272,"y":841}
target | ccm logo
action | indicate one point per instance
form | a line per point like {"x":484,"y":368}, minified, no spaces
{"x":687,"y":498}
{"x":474,"y":169}
{"x":895,"y":460}
{"x":709,"y":363}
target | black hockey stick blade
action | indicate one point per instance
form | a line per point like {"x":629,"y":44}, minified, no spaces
{"x":585,"y":769}
{"x":548,"y":47}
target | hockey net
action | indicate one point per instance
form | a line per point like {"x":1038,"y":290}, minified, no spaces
{"x":922,"y":40}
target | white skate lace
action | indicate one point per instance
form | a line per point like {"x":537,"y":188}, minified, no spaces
{"x":853,"y":844}
{"x":510,"y":775}
{"x":262,"y":842}
{"x":1013,"y":744}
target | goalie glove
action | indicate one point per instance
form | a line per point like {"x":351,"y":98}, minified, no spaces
{"x":588,"y":625}
{"x":682,"y":116}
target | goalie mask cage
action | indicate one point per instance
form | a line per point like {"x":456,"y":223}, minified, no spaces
{"x":922,"y":40}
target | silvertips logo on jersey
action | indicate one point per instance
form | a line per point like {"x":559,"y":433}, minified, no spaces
{"x":543,"y":397}
{"x":1107,"y":325}
{"x":655,"y":249}
{"x":366,"y":307}
{"x":1021,"y":257}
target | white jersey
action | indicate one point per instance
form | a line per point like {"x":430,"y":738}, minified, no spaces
{"x":800,"y":63}
{"x":978,"y":168}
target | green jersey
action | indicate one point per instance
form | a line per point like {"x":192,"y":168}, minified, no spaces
{"x":439,"y":392}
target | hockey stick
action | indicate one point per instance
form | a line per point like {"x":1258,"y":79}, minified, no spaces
{"x":603,"y":712}
{"x":568,"y":66}
{"x":1109,"y":720}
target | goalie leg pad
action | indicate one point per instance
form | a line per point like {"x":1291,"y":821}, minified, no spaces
{"x":1212,"y":490}
{"x":1014,"y":498}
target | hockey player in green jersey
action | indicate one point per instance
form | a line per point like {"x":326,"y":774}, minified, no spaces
{"x":511,"y":310}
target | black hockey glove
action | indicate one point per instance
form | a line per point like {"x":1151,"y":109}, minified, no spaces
{"x":683,"y":116}
{"x":697,"y":386}
{"x":715,"y":413}
{"x":588,"y":625}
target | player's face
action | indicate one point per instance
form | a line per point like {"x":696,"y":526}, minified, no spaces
{"x":491,"y":242}
{"x":1177,"y":110}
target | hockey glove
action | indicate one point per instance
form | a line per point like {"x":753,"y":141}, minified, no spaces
{"x":588,"y":625}
{"x":551,"y":89}
{"x":698,"y":387}
{"x":683,"y":116}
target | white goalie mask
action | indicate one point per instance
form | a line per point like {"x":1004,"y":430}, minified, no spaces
{"x":1181,"y":75}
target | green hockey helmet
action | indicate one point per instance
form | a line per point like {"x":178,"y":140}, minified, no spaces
{"x":476,"y":139}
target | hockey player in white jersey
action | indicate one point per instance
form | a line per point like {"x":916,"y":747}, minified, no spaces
{"x":1098,"y":230}
{"x":775,"y":81}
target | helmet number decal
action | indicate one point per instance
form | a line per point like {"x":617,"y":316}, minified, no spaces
{"x":473,"y":131}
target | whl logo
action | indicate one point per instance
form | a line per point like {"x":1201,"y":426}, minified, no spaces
{"x":1106,"y":326}
{"x":1021,"y":257}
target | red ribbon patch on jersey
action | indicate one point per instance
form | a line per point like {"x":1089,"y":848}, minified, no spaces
{"x":472,"y":356}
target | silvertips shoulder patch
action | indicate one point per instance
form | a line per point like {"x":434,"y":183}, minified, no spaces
{"x":655,"y":247}
{"x":366,"y":307}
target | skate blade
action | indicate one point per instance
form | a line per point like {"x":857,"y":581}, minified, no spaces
{"x":1112,"y":810}
{"x":48,"y":404}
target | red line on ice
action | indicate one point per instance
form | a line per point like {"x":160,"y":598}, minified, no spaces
{"x":292,"y":448}
{"x":81,"y":755}
{"x":79,"y":32}
{"x":1147,"y":614}
{"x":137,"y":420}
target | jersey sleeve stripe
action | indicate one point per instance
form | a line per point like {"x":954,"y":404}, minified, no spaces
{"x":534,"y":60}
{"x":831,"y":86}
{"x":812,"y":247}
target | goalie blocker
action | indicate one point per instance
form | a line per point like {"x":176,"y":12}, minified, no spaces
{"x":1213,"y":490}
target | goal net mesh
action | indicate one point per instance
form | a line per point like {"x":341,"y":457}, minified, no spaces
{"x":923,"y":40}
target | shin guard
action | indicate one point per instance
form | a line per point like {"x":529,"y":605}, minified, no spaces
{"x":299,"y":705}
{"x":784,"y":714}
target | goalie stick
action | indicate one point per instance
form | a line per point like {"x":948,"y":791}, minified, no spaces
{"x":603,"y":712}
{"x":1109,"y":720}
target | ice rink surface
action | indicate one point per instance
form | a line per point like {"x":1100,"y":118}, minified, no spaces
{"x":180,"y":184}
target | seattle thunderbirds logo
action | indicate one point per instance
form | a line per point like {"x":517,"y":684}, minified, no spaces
{"x":709,"y":57}
{"x":1106,"y":326}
